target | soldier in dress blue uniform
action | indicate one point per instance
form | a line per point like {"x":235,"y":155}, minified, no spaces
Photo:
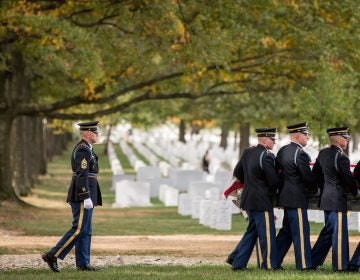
{"x":332,"y":167}
{"x":257,"y":171}
{"x":84,"y":193}
{"x":298,"y":179}
{"x":354,"y":264}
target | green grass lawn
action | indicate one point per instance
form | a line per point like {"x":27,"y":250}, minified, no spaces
{"x":197,"y":272}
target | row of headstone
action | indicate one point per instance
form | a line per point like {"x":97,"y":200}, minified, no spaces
{"x":150,"y":156}
{"x":203,"y":201}
{"x":133,"y":159}
{"x":215,"y":214}
{"x":116,"y":167}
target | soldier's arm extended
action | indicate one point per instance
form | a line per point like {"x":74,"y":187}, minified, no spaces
{"x":303,"y":165}
{"x":82,"y":162}
{"x":346,"y":176}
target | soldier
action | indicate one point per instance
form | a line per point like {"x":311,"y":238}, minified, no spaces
{"x":256,"y":170}
{"x":84,"y":193}
{"x":332,"y":167}
{"x":297,"y":177}
{"x":354,"y":264}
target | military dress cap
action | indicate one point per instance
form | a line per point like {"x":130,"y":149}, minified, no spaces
{"x":266,"y":132}
{"x":342,"y":131}
{"x":90,"y":126}
{"x":300,"y":127}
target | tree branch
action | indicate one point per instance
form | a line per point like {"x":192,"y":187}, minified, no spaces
{"x":147,"y":96}
{"x":46,"y":109}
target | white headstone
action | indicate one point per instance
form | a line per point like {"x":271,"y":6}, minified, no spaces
{"x":129,"y":194}
{"x":155,"y":185}
{"x":184,"y":205}
{"x":171,"y":197}
{"x":120,"y":177}
{"x":223,"y":215}
{"x":195,"y":206}
{"x":138,"y":164}
{"x":213,"y":213}
{"x":278,"y":217}
{"x":199,"y":188}
{"x":222,"y":177}
{"x":162,"y":190}
{"x":312,"y":215}
{"x":212,"y":194}
{"x":164,"y":168}
{"x":320,"y":217}
{"x":147,"y":172}
{"x":183,"y":178}
{"x":205,"y":212}
{"x":354,"y":221}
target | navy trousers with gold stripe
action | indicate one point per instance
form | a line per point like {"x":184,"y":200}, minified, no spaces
{"x":261,"y":225}
{"x":79,"y":236}
{"x":355,"y":260}
{"x":295,"y":230}
{"x":335,"y":235}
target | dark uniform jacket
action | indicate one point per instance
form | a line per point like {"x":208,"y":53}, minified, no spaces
{"x":85,"y":168}
{"x":332,"y":167}
{"x":257,"y":170}
{"x":297,"y":176}
{"x":357,"y":172}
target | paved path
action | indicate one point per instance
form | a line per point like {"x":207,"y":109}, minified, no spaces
{"x":120,"y":250}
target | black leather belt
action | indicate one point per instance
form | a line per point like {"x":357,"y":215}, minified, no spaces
{"x":90,"y":174}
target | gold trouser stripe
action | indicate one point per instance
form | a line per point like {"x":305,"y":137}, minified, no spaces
{"x":301,"y":230}
{"x":267,"y":224}
{"x":339,"y":251}
{"x":77,"y":231}
{"x":259,"y":251}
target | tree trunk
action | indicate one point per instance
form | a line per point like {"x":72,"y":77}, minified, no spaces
{"x":40,"y":133}
{"x":224,"y":135}
{"x":25,"y":163}
{"x":11,"y":95}
{"x":355,"y":139}
{"x":182,"y":131}
{"x":107,"y":141}
{"x":235,"y":140}
{"x":244,"y":137}
{"x":7,"y":191}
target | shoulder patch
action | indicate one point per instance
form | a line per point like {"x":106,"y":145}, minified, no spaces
{"x":83,"y":163}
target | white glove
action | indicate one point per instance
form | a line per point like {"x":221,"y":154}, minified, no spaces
{"x":88,"y":204}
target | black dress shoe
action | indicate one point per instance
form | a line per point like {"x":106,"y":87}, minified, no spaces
{"x":239,"y":269}
{"x":354,"y":268}
{"x":229,"y":261}
{"x":87,"y":268}
{"x":51,"y":261}
{"x":278,"y":268}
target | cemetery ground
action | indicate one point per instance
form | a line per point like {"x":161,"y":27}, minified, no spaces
{"x":130,"y":243}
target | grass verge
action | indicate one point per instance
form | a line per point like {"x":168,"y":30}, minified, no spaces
{"x":197,"y":272}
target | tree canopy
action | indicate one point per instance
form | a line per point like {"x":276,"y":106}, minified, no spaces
{"x":261,"y":61}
